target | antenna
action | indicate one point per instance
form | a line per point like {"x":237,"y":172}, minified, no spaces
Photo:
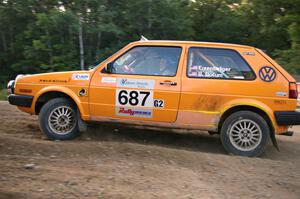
{"x":143,"y":38}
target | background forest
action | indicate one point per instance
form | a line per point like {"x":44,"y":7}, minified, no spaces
{"x":47,"y":35}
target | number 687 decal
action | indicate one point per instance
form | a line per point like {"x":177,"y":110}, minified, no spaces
{"x":137,"y":98}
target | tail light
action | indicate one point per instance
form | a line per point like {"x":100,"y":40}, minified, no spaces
{"x":293,"y":93}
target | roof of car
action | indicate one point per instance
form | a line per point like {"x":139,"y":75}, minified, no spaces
{"x":217,"y":44}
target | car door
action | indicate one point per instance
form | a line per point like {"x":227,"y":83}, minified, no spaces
{"x":143,"y":84}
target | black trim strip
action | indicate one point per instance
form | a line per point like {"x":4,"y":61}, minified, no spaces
{"x":287,"y":117}
{"x":20,"y":100}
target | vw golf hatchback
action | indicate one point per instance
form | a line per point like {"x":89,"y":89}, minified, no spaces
{"x":233,"y":90}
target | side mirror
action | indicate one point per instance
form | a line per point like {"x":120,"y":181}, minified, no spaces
{"x":109,"y":68}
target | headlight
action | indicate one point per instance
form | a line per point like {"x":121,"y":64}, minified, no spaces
{"x":11,"y":86}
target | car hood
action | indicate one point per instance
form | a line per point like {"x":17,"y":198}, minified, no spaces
{"x":55,"y":78}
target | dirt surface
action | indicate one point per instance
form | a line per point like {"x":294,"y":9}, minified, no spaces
{"x":118,"y":162}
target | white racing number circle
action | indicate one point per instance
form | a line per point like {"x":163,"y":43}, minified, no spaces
{"x":125,"y":97}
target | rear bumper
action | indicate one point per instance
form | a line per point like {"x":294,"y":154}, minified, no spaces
{"x":287,"y":117}
{"x":20,"y":100}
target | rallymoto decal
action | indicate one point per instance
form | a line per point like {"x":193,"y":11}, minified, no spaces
{"x":135,"y":83}
{"x":134,"y":112}
{"x":81,"y":76}
{"x":108,"y":80}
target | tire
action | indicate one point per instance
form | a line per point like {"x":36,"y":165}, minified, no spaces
{"x":58,"y":119}
{"x":250,"y":141}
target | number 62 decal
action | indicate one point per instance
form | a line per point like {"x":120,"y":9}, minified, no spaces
{"x":159,"y":103}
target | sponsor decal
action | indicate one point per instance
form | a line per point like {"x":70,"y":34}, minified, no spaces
{"x":249,"y":53}
{"x":214,"y":68}
{"x":281,"y":94}
{"x":134,"y":112}
{"x":53,"y":81}
{"x":108,"y":80}
{"x":267,"y":74}
{"x":279,"y":102}
{"x":26,"y":90}
{"x":208,"y":71}
{"x":135,"y":83}
{"x":81,"y":76}
{"x":238,"y":77}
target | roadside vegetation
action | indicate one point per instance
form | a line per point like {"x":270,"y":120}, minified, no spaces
{"x":56,"y":35}
{"x":3,"y":94}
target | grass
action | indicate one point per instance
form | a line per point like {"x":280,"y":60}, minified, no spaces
{"x":3,"y":94}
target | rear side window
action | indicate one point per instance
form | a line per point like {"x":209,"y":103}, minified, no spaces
{"x":217,"y":64}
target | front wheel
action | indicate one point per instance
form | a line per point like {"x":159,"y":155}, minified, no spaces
{"x":245,"y":133}
{"x":58,"y":119}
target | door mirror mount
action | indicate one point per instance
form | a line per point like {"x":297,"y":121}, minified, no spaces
{"x":109,"y":68}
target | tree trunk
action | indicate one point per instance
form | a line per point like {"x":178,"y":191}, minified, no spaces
{"x":11,"y":40}
{"x":149,"y":17}
{"x":80,"y":37}
{"x":4,"y":42}
{"x":98,"y":45}
{"x":50,"y":52}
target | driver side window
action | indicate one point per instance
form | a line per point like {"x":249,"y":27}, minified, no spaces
{"x":148,"y":60}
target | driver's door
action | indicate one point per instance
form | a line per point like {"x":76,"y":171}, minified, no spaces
{"x":142,"y":84}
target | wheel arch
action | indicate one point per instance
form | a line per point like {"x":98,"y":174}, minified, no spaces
{"x":257,"y":109}
{"x":254,"y":109}
{"x":54,"y":92}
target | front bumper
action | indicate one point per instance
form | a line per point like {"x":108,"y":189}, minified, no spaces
{"x":287,"y":117}
{"x":20,"y":100}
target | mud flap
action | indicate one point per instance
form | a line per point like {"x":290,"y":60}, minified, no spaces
{"x":82,"y":126}
{"x":274,"y":141}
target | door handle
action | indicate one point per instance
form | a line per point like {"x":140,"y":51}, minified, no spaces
{"x":169,"y":83}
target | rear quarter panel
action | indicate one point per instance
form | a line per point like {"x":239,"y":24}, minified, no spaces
{"x":203,"y":101}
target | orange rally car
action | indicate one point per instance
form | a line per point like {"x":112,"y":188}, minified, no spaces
{"x":234,"y":90}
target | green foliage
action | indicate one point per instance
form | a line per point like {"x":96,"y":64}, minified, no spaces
{"x":42,"y":36}
{"x":3,"y":94}
{"x":290,"y":57}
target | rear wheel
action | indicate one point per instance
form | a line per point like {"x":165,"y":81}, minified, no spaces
{"x":58,"y":119}
{"x":245,"y":133}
